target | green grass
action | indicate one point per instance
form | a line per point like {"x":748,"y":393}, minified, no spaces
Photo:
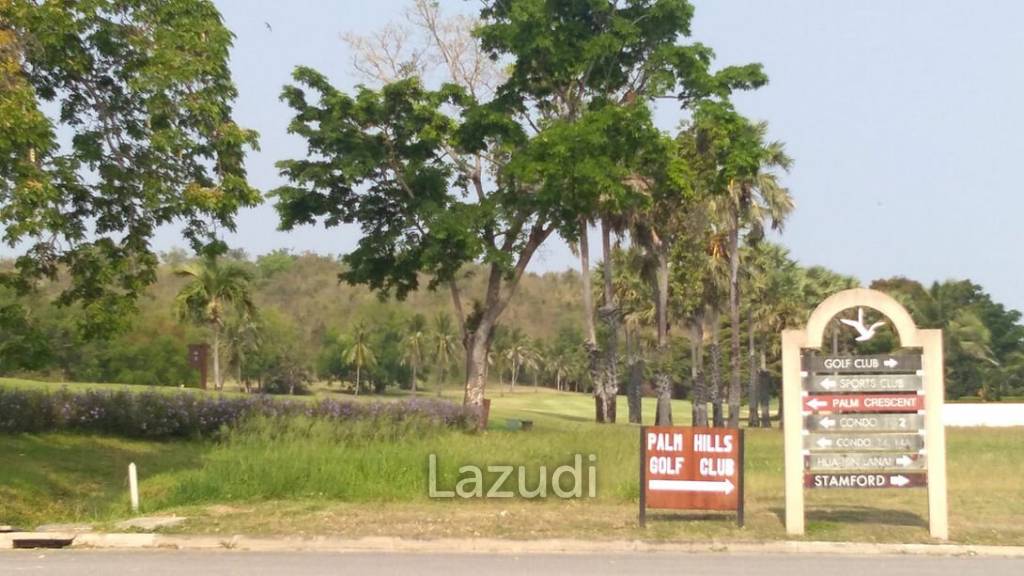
{"x":308,"y":478}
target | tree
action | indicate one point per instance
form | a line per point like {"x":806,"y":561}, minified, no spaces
{"x":444,"y":347}
{"x":116,"y":119}
{"x":281,"y":363}
{"x":583,"y":77}
{"x":958,"y":309}
{"x":632,"y":284}
{"x":243,"y":337}
{"x":413,"y":346}
{"x":214,"y":290}
{"x":559,"y":365}
{"x":744,"y":196}
{"x":359,"y":353}
{"x":423,"y":172}
{"x":772,"y":282}
{"x":521,"y":354}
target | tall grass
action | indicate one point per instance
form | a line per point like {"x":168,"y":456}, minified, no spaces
{"x":386,"y":461}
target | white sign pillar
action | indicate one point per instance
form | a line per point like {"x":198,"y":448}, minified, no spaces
{"x":930,"y":343}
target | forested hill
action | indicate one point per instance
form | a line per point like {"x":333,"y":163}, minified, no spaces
{"x":308,"y":320}
{"x":298,"y":296}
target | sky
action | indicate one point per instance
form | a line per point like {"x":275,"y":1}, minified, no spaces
{"x":904,"y":120}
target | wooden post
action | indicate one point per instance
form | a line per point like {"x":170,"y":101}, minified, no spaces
{"x":643,"y":477}
{"x":741,"y":462}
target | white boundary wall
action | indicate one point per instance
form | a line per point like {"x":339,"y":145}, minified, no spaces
{"x":983,"y":415}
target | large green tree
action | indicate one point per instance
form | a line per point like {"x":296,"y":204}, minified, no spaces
{"x":398,"y":161}
{"x":115,"y":119}
{"x":583,"y":76}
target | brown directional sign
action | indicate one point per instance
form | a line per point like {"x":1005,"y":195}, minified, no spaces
{"x":197,"y":355}
{"x":876,"y":363}
{"x":864,"y":422}
{"x":865,"y":461}
{"x":864,"y":383}
{"x":863,"y":403}
{"x":691,"y":468}
{"x":865,"y":480}
{"x":862,"y":442}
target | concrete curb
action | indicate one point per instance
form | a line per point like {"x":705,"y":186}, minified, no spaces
{"x":123,"y":541}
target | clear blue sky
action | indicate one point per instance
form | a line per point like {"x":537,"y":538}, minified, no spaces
{"x":904,"y":119}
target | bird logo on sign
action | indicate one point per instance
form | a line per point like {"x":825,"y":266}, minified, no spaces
{"x":864,"y":333}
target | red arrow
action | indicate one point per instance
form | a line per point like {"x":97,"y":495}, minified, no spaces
{"x":863,"y":403}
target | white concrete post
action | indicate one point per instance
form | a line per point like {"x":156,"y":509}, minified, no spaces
{"x":133,"y":486}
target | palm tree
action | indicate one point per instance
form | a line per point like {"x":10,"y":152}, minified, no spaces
{"x":243,"y":337}
{"x":412,"y":347}
{"x":559,"y":365}
{"x":773,"y":286}
{"x":359,"y":352}
{"x":517,"y":354}
{"x":634,"y":270}
{"x":444,"y":346}
{"x":752,"y":198}
{"x":213,"y":290}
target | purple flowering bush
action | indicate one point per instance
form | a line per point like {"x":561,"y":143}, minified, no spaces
{"x":187,"y":415}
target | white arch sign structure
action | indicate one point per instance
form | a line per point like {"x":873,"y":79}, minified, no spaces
{"x":880,"y":452}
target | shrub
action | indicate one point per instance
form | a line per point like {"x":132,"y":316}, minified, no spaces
{"x":167,"y":415}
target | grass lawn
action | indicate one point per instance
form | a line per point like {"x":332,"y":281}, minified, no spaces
{"x":310,"y":479}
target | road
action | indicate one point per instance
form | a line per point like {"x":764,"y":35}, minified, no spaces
{"x":190,"y":563}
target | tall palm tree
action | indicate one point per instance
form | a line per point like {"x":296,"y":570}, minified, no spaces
{"x":518,"y":354}
{"x":558,"y":363}
{"x":413,"y":347}
{"x":444,"y":341}
{"x":634,"y":270}
{"x":359,"y":351}
{"x":753,"y":199}
{"x":213,"y":290}
{"x":244,"y":337}
{"x":772,"y":283}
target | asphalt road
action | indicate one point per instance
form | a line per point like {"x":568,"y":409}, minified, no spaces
{"x":181,"y":563}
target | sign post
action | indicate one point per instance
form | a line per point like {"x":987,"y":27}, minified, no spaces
{"x":197,"y":355}
{"x":864,"y":421}
{"x":685,"y":468}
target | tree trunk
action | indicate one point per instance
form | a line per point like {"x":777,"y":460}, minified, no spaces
{"x":357,"y":378}
{"x":610,"y":317}
{"x":662,"y":378}
{"x":476,"y":366}
{"x":636,"y":369}
{"x":717,"y":414}
{"x":700,"y":389}
{"x":216,"y":358}
{"x":735,"y":383}
{"x":766,"y":395}
{"x":753,"y":394}
{"x":590,"y":342}
{"x":414,"y":366}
